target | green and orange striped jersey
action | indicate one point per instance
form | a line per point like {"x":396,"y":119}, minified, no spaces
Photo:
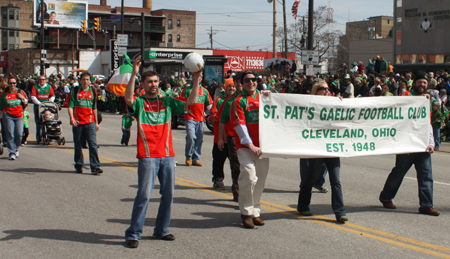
{"x":154,"y":117}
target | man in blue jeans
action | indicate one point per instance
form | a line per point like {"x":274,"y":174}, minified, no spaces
{"x":83,"y":118}
{"x":195,"y":121}
{"x":155,"y":154}
{"x":422,"y":162}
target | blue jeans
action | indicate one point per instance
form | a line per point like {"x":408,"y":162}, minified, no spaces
{"x":403,"y":162}
{"x":148,"y":170}
{"x":36,"y":122}
{"x":437,"y":137}
{"x":194,"y":139}
{"x":125,"y":137}
{"x":316,"y":170}
{"x":14,"y":131}
{"x":304,"y":171}
{"x":86,"y":132}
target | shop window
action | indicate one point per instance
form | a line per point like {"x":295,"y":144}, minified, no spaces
{"x":413,"y":59}
{"x":406,"y":59}
{"x":431,"y":59}
{"x":398,"y":59}
{"x":178,"y":37}
{"x":169,"y":24}
{"x":422,"y":59}
{"x":169,"y":38}
{"x":447,"y":58}
{"x":178,"y":23}
{"x":439,"y":59}
{"x":11,"y":15}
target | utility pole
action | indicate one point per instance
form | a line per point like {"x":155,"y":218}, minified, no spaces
{"x":122,"y":18}
{"x":42,"y":39}
{"x":285,"y":30}
{"x":142,"y":42}
{"x":310,"y":24}
{"x":212,"y":33}
{"x":275,"y":28}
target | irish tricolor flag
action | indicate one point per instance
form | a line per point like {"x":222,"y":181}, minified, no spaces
{"x":119,"y":81}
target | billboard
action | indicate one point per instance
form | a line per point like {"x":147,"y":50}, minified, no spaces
{"x":60,"y":14}
{"x":241,"y":60}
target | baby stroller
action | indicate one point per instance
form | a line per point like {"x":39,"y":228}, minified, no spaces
{"x":51,"y":127}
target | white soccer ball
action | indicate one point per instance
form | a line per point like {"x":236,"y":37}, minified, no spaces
{"x":193,"y":62}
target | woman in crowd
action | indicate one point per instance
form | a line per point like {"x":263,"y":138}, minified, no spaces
{"x":316,"y":170}
{"x":11,"y":104}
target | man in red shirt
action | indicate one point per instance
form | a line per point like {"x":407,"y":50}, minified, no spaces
{"x":83,"y":118}
{"x":156,"y":158}
{"x":195,"y":121}
{"x":42,"y":92}
{"x":253,"y":169}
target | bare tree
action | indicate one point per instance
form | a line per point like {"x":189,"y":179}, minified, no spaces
{"x":326,"y":38}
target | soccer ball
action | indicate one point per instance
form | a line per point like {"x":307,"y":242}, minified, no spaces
{"x":193,"y":62}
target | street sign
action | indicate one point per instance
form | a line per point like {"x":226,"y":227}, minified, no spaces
{"x":116,"y":19}
{"x":310,"y":57}
{"x":122,"y":40}
{"x":114,"y":50}
{"x":309,"y":70}
{"x":122,"y":51}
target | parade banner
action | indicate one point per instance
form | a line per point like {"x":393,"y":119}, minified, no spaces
{"x":305,"y":126}
{"x":59,"y":14}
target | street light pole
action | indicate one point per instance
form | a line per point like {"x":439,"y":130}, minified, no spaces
{"x":274,"y":28}
{"x":285,"y":30}
{"x":42,"y":38}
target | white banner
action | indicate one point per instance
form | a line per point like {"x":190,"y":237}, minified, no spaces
{"x":308,"y":126}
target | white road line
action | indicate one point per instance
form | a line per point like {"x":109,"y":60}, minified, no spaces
{"x":412,"y":178}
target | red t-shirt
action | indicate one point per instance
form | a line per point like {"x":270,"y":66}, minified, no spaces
{"x":246,"y":110}
{"x":10,"y":103}
{"x":196,"y":112}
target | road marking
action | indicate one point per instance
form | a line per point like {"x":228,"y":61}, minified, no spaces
{"x":412,"y":178}
{"x":318,"y":219}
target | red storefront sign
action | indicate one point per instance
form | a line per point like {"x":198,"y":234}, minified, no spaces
{"x":4,"y":59}
{"x":241,"y":60}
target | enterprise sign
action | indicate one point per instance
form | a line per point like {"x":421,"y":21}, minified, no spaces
{"x":152,"y":54}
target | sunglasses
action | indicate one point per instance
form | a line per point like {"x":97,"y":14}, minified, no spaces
{"x":247,"y":80}
{"x":323,"y":88}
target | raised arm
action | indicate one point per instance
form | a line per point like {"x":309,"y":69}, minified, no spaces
{"x":192,"y":99}
{"x":130,"y":87}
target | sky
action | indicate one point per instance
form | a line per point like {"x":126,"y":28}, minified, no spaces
{"x":248,"y":24}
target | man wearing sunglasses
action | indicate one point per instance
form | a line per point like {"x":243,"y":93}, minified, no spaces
{"x":245,"y":111}
{"x":42,"y":92}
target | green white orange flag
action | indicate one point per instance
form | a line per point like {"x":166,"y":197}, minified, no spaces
{"x":119,"y":81}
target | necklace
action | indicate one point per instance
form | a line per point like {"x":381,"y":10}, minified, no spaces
{"x":149,"y":104}
{"x":78,"y":99}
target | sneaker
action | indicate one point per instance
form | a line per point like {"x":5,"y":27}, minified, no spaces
{"x":97,"y":171}
{"x":306,"y":213}
{"x":219,"y":185}
{"x":321,"y":189}
{"x":342,"y":219}
{"x":131,"y":243}
{"x":12,"y":157}
{"x":17,"y":154}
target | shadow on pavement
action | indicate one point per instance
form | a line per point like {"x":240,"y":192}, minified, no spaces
{"x":63,"y":235}
{"x":37,"y":170}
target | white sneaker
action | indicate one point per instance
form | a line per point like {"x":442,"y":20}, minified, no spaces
{"x":12,"y":157}
{"x":17,"y":154}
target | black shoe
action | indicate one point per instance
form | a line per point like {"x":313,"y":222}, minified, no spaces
{"x":168,"y":237}
{"x":219,"y":185}
{"x":132,"y":243}
{"x":79,"y":170}
{"x":97,"y":171}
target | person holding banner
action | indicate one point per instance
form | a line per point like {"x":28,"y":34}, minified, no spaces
{"x":421,"y":161}
{"x":316,"y":170}
{"x":254,"y":170}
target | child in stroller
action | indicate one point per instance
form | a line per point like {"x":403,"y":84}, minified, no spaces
{"x":51,"y":126}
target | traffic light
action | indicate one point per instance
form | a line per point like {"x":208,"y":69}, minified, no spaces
{"x":84,"y":26}
{"x":97,"y":24}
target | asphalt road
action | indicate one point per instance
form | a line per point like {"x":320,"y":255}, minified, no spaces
{"x":49,"y":211}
